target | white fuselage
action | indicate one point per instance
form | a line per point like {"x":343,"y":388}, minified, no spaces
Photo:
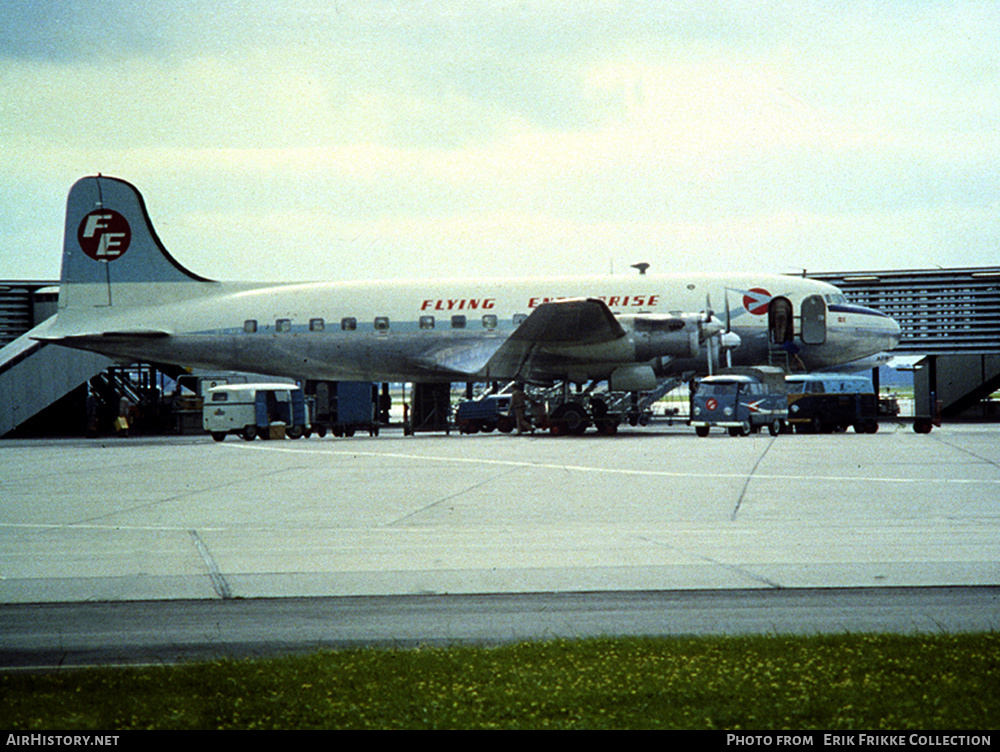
{"x":437,"y":330}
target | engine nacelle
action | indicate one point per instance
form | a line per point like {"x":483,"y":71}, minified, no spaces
{"x":667,"y":335}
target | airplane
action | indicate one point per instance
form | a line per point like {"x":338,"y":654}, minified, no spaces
{"x":122,"y":294}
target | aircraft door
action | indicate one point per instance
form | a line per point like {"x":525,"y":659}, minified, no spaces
{"x":780,"y":321}
{"x":813,"y":320}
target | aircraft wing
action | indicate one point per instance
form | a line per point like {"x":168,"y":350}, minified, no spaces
{"x":463,"y":359}
{"x":579,"y":321}
{"x":556,"y":338}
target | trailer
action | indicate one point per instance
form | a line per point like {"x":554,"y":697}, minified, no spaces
{"x":488,"y":413}
{"x":344,"y":407}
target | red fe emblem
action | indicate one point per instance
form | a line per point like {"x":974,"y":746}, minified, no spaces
{"x":711,"y":404}
{"x":104,"y":235}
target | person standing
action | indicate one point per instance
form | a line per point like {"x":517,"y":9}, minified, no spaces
{"x":518,"y":405}
{"x":124,"y":414}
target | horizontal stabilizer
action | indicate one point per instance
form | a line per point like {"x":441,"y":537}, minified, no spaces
{"x":123,"y":334}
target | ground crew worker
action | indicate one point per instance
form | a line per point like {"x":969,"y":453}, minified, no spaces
{"x":518,"y":403}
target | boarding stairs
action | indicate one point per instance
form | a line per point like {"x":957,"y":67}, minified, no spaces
{"x":35,"y":375}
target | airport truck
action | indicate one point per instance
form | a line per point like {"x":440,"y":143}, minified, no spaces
{"x":256,"y":410}
{"x":830,"y":402}
{"x":742,"y":400}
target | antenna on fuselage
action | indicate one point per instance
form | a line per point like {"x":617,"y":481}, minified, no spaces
{"x":642,"y":267}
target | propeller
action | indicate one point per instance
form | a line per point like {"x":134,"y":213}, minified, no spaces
{"x":710,"y":328}
{"x":718,"y":336}
{"x":729,"y":330}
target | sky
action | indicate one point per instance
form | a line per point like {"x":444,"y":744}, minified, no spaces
{"x":333,"y":139}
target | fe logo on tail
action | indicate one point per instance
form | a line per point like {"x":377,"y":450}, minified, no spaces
{"x":104,"y":235}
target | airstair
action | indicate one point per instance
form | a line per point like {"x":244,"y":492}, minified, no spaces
{"x":35,"y":375}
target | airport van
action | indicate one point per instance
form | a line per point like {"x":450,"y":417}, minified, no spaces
{"x":256,"y":410}
{"x":741,"y":400}
{"x":830,"y":402}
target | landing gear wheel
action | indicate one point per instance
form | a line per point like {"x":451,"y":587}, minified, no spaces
{"x":572,"y":418}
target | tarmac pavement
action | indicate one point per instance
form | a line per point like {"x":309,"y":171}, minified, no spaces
{"x":652,"y":509}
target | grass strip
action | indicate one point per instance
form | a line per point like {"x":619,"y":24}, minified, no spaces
{"x":874,"y":682}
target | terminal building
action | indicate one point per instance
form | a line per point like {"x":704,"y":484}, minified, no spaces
{"x":950,"y":321}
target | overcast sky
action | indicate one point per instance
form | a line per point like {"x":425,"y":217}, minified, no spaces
{"x":337,"y":139}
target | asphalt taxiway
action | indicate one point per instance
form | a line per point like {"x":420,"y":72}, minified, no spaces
{"x":900,"y":529}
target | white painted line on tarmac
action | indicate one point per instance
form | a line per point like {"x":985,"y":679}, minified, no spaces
{"x":263,"y":447}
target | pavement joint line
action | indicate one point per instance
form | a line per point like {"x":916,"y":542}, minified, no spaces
{"x":750,"y":477}
{"x":214,"y":574}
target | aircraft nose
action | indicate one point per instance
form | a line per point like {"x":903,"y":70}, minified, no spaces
{"x":895,"y":332}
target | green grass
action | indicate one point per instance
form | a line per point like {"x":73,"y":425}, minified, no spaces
{"x":760,"y":683}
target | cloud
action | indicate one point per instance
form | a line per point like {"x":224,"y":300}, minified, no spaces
{"x":546,"y":134}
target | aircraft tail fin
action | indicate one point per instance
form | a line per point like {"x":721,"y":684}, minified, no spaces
{"x":109,"y":241}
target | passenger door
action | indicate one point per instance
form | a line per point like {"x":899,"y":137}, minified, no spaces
{"x":813,"y":313}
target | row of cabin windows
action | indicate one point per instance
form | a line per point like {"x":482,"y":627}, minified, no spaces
{"x":380,"y":324}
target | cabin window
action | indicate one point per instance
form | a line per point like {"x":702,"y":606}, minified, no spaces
{"x":250,"y":326}
{"x":283,"y":325}
{"x":316,"y":325}
{"x":426,"y":322}
{"x":349,"y":324}
{"x":519,"y":318}
{"x":220,"y":396}
{"x":490,"y":321}
{"x":381,"y":323}
{"x":458,"y":322}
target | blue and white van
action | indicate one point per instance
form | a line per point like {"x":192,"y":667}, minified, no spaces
{"x":742,"y":400}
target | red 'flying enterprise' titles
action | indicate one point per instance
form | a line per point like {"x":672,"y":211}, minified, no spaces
{"x":473,"y":304}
